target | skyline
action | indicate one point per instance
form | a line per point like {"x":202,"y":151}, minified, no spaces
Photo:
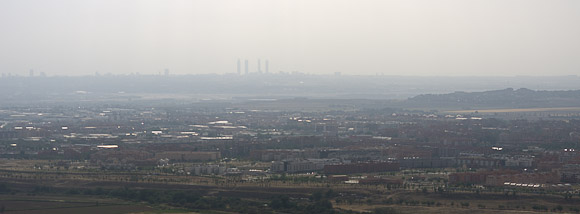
{"x":409,"y":38}
{"x":161,"y":72}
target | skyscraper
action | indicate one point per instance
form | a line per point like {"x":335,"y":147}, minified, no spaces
{"x":267,"y":65}
{"x":246,"y":66}
{"x":239,"y":67}
{"x":259,"y":67}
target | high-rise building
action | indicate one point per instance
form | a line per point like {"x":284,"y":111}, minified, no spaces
{"x":267,"y":65}
{"x":31,"y":74}
{"x":239,"y":67}
{"x":259,"y":67}
{"x":246,"y":64}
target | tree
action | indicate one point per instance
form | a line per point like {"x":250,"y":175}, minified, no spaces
{"x":4,"y":188}
{"x":330,"y":193}
{"x":282,"y":202}
{"x":316,"y":196}
{"x":384,"y":210}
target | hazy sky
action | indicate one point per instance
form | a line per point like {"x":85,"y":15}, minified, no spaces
{"x":407,"y":37}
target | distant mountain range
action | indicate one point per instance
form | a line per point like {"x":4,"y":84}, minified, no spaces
{"x":506,"y":98}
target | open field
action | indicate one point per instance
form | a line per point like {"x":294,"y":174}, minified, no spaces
{"x":413,"y":202}
{"x":29,"y":204}
{"x":359,"y":198}
{"x":516,"y":110}
{"x":73,"y":191}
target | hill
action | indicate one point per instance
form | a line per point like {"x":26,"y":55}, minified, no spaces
{"x":506,"y":98}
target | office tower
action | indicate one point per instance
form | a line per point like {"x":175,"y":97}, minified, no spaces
{"x":259,"y":67}
{"x":239,"y":67}
{"x":267,"y":65}
{"x":246,"y":62}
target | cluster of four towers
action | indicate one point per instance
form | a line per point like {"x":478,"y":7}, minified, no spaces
{"x":246,"y":67}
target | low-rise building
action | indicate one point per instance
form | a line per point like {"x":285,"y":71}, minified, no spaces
{"x":188,"y":156}
{"x":369,"y":167}
{"x":302,"y":165}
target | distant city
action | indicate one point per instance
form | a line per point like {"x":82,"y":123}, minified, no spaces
{"x":456,"y":151}
{"x":262,"y":85}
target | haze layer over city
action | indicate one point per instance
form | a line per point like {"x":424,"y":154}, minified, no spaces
{"x":302,"y":106}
